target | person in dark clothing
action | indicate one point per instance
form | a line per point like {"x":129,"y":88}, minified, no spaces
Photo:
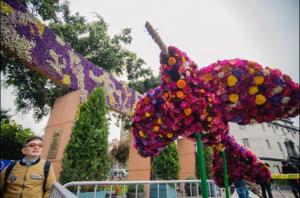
{"x":288,"y":168}
{"x":266,"y":186}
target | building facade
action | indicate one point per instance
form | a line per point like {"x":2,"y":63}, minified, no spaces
{"x":271,"y":142}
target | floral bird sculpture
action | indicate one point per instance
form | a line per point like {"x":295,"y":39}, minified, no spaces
{"x":190,"y":100}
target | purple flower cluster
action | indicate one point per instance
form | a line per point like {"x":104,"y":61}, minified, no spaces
{"x":42,"y":50}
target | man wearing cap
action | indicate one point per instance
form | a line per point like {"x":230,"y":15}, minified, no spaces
{"x":27,"y":177}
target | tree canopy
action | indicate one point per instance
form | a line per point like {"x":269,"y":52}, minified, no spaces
{"x":91,"y":39}
{"x":86,"y":155}
{"x":166,"y":165}
{"x":12,"y":137}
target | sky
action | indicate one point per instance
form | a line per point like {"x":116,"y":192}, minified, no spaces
{"x":265,"y":31}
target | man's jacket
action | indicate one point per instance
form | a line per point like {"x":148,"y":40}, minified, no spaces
{"x":27,"y":181}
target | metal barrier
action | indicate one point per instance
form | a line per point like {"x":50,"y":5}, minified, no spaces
{"x":58,"y":191}
{"x":153,"y":189}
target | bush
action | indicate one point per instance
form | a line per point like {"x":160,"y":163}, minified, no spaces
{"x":132,"y":188}
{"x":86,"y":155}
{"x":166,"y":165}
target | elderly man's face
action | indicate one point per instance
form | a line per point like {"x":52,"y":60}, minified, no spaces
{"x":33,"y":149}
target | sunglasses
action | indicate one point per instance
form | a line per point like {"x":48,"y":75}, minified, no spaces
{"x":34,"y":145}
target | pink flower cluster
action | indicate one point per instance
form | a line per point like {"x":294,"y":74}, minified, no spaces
{"x":191,"y":100}
{"x":241,"y":163}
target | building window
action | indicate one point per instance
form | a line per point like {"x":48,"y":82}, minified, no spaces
{"x":268,"y":144}
{"x":246,"y":142}
{"x":293,"y":134}
{"x":279,"y":145}
{"x":283,"y":132}
{"x":274,"y":129}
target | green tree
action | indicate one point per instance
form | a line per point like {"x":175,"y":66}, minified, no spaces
{"x":91,"y":39}
{"x":12,"y":137}
{"x":86,"y":155}
{"x":166,"y":165}
{"x":207,"y":151}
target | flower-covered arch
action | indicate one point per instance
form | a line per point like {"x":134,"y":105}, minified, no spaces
{"x":26,"y":38}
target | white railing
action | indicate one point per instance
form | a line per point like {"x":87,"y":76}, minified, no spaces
{"x":58,"y":191}
{"x":153,"y":189}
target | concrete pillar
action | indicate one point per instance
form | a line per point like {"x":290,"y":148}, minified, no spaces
{"x":186,"y":150}
{"x":138,"y":167}
{"x":59,"y":128}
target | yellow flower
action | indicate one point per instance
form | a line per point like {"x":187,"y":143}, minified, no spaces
{"x":171,"y":61}
{"x":66,"y":79}
{"x":181,"y":83}
{"x":41,"y":28}
{"x":231,"y":80}
{"x":253,"y":90}
{"x":159,"y":121}
{"x":7,"y":9}
{"x":156,"y":128}
{"x":258,"y":80}
{"x":208,"y":77}
{"x":219,"y":147}
{"x":188,"y":111}
{"x":233,"y":97}
{"x":183,"y":59}
{"x":169,"y":135}
{"x":209,"y":118}
{"x":147,"y":114}
{"x":260,"y":99}
{"x":251,"y":71}
{"x":180,"y":94}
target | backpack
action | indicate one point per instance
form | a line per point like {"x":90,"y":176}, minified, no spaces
{"x":12,"y":165}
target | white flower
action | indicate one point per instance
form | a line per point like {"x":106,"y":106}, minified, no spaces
{"x":277,"y":90}
{"x":285,"y":100}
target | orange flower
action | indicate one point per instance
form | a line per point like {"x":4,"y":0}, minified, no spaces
{"x":208,"y":77}
{"x":141,"y":133}
{"x":181,"y":83}
{"x":171,"y":61}
{"x":188,"y":111}
{"x":166,"y":95}
{"x":260,"y":99}
{"x":147,"y":114}
{"x":159,"y":121}
{"x":180,"y":94}
{"x":146,"y":100}
{"x":169,"y":135}
{"x":233,"y":98}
